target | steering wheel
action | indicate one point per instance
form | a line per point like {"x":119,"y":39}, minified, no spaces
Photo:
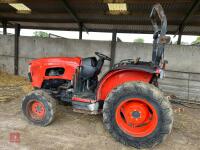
{"x":103,"y":56}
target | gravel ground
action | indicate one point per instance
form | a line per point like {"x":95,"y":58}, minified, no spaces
{"x":75,"y":131}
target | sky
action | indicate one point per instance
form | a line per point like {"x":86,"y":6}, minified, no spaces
{"x":125,"y":37}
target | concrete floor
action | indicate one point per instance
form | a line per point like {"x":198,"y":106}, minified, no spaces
{"x":75,"y":131}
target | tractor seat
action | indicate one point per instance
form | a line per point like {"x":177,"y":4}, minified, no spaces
{"x":89,"y":67}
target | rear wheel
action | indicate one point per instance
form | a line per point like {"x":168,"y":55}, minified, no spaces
{"x":39,"y":108}
{"x":138,"y":114}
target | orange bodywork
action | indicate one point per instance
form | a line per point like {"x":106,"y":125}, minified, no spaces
{"x":39,"y":67}
{"x":111,"y":80}
{"x":118,"y":77}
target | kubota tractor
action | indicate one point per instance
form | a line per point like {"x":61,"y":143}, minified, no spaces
{"x":135,"y":111}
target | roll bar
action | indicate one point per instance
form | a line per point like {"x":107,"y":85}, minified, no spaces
{"x":159,"y":38}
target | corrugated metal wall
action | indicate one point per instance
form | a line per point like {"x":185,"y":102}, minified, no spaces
{"x":183,"y":85}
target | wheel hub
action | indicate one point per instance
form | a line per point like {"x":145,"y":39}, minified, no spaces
{"x":37,"y":110}
{"x":136,"y":114}
{"x":137,"y":117}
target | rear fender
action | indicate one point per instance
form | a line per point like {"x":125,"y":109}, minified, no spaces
{"x":115,"y":78}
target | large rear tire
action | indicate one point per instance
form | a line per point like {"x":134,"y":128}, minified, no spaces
{"x":137,"y":114}
{"x":39,"y":108}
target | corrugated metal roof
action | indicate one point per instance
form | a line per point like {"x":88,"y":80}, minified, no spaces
{"x":94,"y":14}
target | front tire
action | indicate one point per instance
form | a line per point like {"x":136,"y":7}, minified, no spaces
{"x":138,"y":115}
{"x":39,"y":108}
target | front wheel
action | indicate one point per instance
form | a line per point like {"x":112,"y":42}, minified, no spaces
{"x":138,"y":114}
{"x":39,"y":108}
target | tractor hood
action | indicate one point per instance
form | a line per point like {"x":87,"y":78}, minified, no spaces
{"x":57,"y":60}
{"x":39,"y":67}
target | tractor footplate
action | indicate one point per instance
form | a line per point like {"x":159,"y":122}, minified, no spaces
{"x":86,"y":103}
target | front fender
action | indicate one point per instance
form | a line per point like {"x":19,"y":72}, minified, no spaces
{"x":117,"y":77}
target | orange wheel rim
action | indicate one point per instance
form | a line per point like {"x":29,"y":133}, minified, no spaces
{"x":37,"y":110}
{"x":136,"y":117}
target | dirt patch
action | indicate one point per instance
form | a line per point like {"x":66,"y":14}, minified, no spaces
{"x":75,"y":131}
{"x":12,"y":86}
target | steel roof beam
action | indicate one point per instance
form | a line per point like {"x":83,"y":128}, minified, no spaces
{"x":74,"y":15}
{"x":100,"y":30}
{"x":193,"y":8}
{"x":97,"y":22}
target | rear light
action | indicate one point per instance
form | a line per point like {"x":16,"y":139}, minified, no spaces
{"x":160,"y":73}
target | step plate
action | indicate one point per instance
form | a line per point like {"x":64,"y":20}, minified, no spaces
{"x":84,"y":100}
{"x":88,"y":106}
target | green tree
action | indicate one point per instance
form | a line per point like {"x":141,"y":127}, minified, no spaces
{"x":139,"y":40}
{"x":40,"y":34}
{"x":197,"y":41}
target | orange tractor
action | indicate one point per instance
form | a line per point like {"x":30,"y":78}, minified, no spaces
{"x":135,"y":111}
